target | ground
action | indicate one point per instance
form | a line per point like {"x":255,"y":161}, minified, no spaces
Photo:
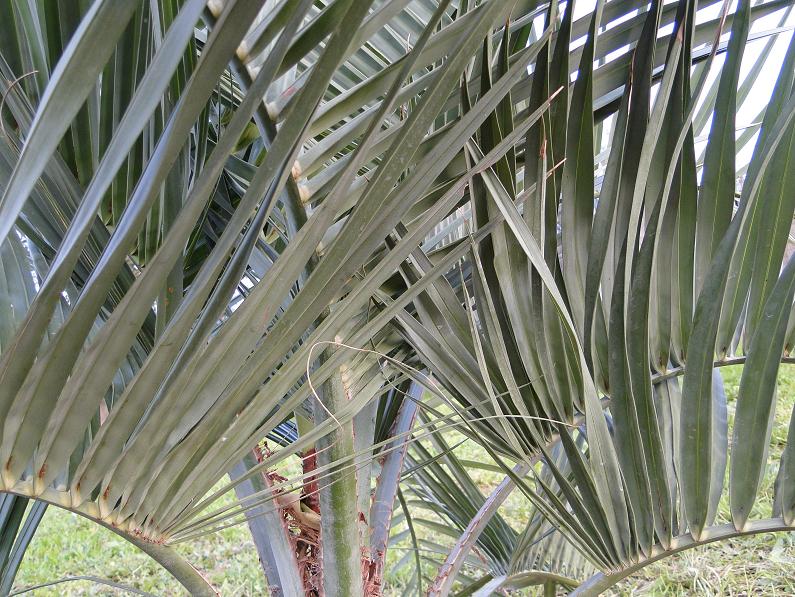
{"x":68,"y":545}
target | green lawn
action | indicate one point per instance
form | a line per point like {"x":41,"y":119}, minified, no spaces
{"x":69,"y":545}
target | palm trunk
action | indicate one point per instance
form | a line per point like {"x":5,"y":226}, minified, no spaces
{"x":339,"y":534}
{"x":270,"y":535}
{"x":387,"y":486}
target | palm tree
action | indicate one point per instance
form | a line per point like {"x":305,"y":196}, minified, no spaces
{"x":356,"y":229}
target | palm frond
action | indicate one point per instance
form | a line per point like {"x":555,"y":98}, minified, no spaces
{"x":244,"y":213}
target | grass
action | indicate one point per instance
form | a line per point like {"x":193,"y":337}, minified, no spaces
{"x":69,"y":545}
